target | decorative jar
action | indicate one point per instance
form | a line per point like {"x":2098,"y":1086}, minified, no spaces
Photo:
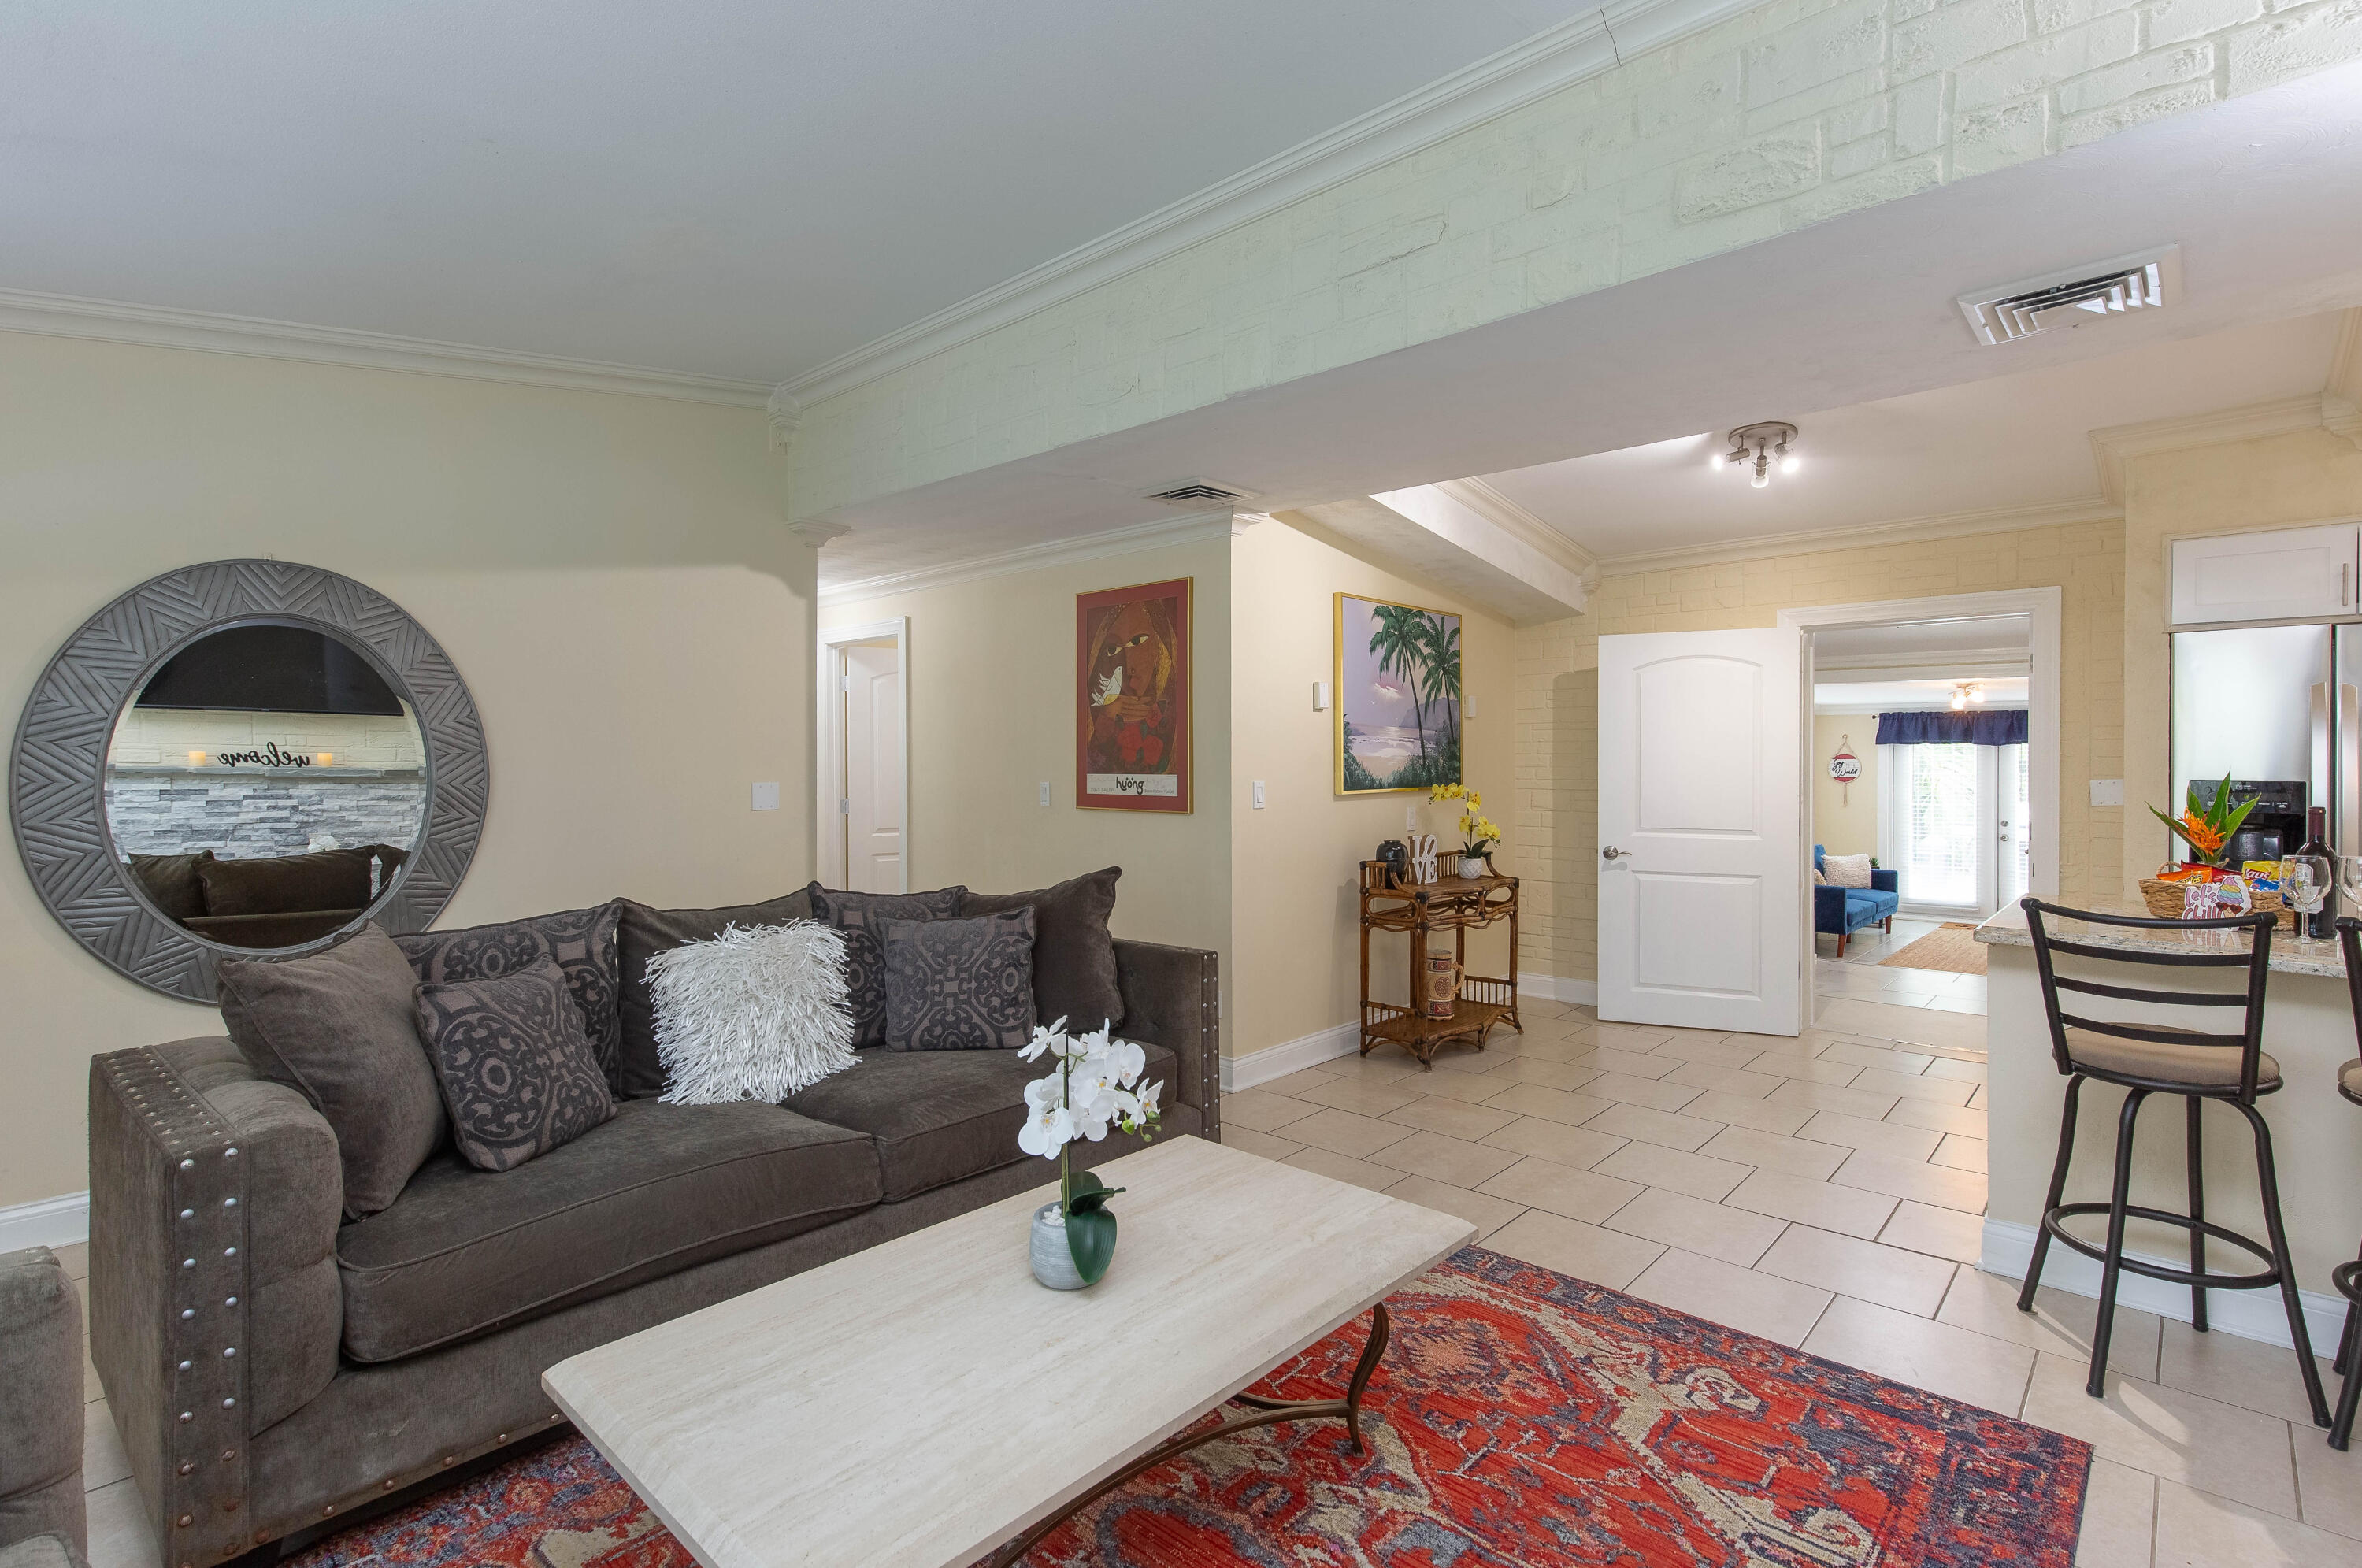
{"x":1053,"y":1264}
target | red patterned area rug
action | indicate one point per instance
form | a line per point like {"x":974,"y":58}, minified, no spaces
{"x":1520,"y":1417}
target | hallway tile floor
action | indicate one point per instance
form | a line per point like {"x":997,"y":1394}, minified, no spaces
{"x":1827,"y":1191}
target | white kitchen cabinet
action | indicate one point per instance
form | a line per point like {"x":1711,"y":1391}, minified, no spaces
{"x":2277,"y":574}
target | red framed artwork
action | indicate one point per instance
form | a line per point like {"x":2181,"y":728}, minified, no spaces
{"x":1132,"y":698}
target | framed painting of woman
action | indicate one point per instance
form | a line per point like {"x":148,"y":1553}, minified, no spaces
{"x":1132,"y":698}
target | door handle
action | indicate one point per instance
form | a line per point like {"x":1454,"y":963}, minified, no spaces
{"x":1612,"y":853}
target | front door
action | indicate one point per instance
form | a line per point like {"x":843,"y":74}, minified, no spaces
{"x":1701,"y":870}
{"x":873,"y":769}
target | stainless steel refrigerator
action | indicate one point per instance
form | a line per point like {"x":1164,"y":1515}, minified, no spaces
{"x":2278,"y":708}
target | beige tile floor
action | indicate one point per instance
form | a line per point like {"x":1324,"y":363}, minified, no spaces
{"x":1862,"y":973}
{"x":1828,"y":1192}
{"x":1797,"y":1188}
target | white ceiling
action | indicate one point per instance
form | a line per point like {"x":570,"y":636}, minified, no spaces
{"x":732,"y":187}
{"x":2012,"y":441}
{"x":1901,"y":696}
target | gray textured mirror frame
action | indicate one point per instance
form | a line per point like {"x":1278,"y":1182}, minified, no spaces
{"x":57,"y":768}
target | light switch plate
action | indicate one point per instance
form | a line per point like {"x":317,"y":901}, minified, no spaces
{"x":766,"y":798}
{"x":1258,"y":794}
{"x":1042,"y":793}
{"x":1468,"y":705}
{"x":2107,"y":791}
{"x":1319,"y":696}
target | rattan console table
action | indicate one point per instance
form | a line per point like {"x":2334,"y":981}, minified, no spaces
{"x":1456,"y":904}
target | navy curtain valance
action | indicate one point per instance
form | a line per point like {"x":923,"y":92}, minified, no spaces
{"x":1978,"y":727}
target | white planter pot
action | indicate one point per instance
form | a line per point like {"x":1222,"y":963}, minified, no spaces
{"x":1473,"y":866}
{"x":1054,"y":1265}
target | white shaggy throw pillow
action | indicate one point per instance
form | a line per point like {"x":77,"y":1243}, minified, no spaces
{"x":755,"y":1013}
{"x":1848,"y":871}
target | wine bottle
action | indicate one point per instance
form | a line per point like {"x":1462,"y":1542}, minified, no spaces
{"x":2321,"y":923}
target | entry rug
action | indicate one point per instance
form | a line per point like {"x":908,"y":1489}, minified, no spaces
{"x":1520,"y":1417}
{"x":1949,"y":948}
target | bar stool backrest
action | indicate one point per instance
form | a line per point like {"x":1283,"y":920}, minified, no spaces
{"x":2349,"y":945}
{"x":2248,"y":1041}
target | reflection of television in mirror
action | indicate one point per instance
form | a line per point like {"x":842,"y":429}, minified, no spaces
{"x":270,"y":670}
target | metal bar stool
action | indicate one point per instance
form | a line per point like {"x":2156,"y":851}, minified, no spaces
{"x":2347,"y":1276}
{"x":2146,"y":1058}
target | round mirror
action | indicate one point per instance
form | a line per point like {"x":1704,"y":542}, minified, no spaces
{"x":266,"y":786}
{"x":240,"y":758}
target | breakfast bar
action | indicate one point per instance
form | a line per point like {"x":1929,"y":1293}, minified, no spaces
{"x":2308,"y":1027}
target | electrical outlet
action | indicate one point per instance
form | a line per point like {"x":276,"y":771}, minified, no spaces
{"x":766,"y":798}
{"x":1319,"y":696}
{"x":1258,"y":794}
{"x":1042,"y":793}
{"x":1411,"y":818}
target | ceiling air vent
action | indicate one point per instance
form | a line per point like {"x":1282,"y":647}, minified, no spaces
{"x":2075,"y":296}
{"x":1200,"y":493}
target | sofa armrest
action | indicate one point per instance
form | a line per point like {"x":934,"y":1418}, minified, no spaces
{"x":215,"y":1197}
{"x":1173,"y":998}
{"x":40,"y":1401}
{"x":1828,"y":907}
{"x":1886,"y":881}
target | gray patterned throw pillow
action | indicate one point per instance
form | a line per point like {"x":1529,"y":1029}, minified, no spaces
{"x":856,"y":915}
{"x":518,"y":1075}
{"x":582,"y":943}
{"x":960,"y":985}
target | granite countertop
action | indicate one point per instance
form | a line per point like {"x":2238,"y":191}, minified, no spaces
{"x":2291,"y":956}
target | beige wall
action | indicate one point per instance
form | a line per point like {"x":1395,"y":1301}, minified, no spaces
{"x":1297,"y":927}
{"x":2271,"y":482}
{"x":992,"y":704}
{"x":609,"y":574}
{"x":1845,"y":816}
{"x":1558,"y":693}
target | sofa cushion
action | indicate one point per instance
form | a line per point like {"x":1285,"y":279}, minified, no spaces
{"x":1074,"y":954}
{"x":659,"y":1189}
{"x":582,"y":943}
{"x":338,"y":1028}
{"x":939,"y":1116}
{"x":517,"y":1073}
{"x":642,"y":934}
{"x":856,"y":915}
{"x":960,"y":985}
{"x":170,"y":882}
{"x":287,"y":884}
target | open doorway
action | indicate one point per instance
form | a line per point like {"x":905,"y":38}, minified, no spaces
{"x":865,"y":757}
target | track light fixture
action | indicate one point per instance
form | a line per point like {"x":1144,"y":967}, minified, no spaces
{"x":1760,"y":446}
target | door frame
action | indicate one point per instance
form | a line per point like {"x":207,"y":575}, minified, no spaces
{"x":828,"y":792}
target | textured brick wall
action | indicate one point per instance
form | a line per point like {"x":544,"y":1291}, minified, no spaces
{"x":1555,"y":838}
{"x":1774,"y":119}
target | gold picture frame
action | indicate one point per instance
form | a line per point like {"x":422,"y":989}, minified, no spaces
{"x":1391,"y":662}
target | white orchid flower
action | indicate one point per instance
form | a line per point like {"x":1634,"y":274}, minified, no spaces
{"x":1047,"y":1130}
{"x":1126,"y":1061}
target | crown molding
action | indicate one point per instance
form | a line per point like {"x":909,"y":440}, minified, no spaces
{"x":1527,"y":527}
{"x":1551,"y":60}
{"x":1926,"y":665}
{"x":1128,"y":540}
{"x":1904,"y":531}
{"x":818,"y":534}
{"x":786,"y":418}
{"x":160,"y":326}
{"x":2115,"y":445}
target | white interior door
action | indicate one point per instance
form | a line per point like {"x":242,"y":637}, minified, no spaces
{"x":873,"y":769}
{"x":1701,"y":829}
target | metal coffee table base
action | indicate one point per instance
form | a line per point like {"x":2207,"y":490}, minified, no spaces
{"x":1266,"y":1412}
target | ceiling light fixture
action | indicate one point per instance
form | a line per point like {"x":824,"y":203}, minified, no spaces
{"x":1760,"y":446}
{"x":1965,"y":692}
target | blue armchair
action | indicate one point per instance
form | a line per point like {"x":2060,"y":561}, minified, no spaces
{"x":1844,"y":910}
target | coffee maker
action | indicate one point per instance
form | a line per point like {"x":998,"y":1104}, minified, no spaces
{"x":2273,"y":829}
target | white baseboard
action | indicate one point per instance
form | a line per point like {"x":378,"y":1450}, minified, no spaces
{"x":1553,"y":988}
{"x":2250,"y":1314}
{"x":1344,"y":1039}
{"x":58,"y":1221}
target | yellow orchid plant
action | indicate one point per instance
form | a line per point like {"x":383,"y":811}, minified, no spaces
{"x":1479,"y":835}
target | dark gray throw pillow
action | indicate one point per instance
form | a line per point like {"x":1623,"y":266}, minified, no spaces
{"x":856,"y":915}
{"x":517,"y":1072}
{"x":960,"y":985}
{"x":1074,"y":955}
{"x":640,"y":935}
{"x":582,"y":943}
{"x":171,"y":882}
{"x":339,"y":1029}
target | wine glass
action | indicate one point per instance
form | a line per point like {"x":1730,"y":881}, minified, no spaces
{"x":2306,"y":887}
{"x":2349,"y":879}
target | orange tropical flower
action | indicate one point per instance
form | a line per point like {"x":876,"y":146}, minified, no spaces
{"x":2204,"y":836}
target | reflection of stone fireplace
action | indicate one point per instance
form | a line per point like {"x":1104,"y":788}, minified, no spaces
{"x":248,"y":784}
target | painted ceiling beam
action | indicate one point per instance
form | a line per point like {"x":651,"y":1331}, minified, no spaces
{"x":1469,"y":539}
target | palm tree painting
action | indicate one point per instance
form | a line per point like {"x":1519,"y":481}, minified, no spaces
{"x":1397,"y":699}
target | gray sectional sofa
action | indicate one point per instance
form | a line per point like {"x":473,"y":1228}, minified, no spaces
{"x":272,"y":1368}
{"x":41,"y":1520}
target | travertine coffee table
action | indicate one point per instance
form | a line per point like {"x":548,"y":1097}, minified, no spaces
{"x":925,"y":1401}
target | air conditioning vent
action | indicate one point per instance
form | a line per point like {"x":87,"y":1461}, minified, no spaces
{"x":1200,"y":493}
{"x":2148,"y":281}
